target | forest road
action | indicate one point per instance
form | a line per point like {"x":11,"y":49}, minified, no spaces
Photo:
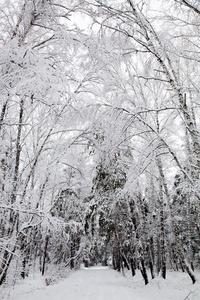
{"x":96,"y":283}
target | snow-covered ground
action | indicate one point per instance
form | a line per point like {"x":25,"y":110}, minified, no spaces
{"x":102,"y":283}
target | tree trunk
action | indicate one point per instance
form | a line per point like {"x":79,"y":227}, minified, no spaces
{"x":8,"y":256}
{"x":162,"y":227}
{"x":116,"y":254}
{"x":73,"y":252}
{"x":133,"y":267}
{"x":144,"y":271}
{"x":18,"y":152}
{"x":45,"y":254}
{"x":3,"y":112}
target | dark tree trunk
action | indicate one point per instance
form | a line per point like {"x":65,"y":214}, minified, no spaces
{"x":3,"y":113}
{"x":116,"y":254}
{"x":23,"y":272}
{"x":45,"y":254}
{"x":133,"y":267}
{"x":72,"y":250}
{"x":144,"y":272}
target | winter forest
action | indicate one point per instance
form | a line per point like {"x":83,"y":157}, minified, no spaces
{"x":100,"y":143}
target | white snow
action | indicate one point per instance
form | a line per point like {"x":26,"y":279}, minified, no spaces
{"x":103,"y":283}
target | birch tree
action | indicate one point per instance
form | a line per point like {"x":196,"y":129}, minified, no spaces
{"x":38,"y":119}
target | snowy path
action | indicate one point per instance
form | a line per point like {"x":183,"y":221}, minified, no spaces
{"x":88,"y":284}
{"x":101,"y":283}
